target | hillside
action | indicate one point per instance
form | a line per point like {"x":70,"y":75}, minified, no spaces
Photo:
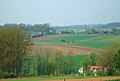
{"x":88,"y":40}
{"x":106,"y":26}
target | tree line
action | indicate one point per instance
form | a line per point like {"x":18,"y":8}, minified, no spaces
{"x":52,"y":63}
{"x":35,"y":28}
{"x":47,"y":29}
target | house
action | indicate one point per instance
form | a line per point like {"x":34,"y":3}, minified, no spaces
{"x":40,"y":33}
{"x":98,"y":68}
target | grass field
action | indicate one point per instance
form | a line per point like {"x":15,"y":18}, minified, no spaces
{"x":89,"y":40}
{"x":32,"y":79}
{"x":32,"y":32}
{"x":67,"y":78}
{"x":77,"y":60}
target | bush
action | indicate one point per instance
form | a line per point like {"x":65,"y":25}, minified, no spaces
{"x":5,"y":75}
{"x":12,"y":75}
{"x":116,"y":73}
{"x":89,"y":73}
{"x":101,"y":73}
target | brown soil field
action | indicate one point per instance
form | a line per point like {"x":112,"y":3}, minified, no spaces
{"x":91,"y":79}
{"x":77,"y":50}
{"x":45,"y":37}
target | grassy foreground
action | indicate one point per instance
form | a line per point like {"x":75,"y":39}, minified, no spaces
{"x":56,"y":78}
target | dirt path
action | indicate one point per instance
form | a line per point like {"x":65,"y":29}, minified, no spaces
{"x":45,"y":37}
{"x":90,"y":79}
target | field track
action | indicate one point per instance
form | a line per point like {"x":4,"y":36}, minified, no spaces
{"x":90,"y":79}
{"x":45,"y":37}
{"x":82,"y":79}
{"x":77,"y":50}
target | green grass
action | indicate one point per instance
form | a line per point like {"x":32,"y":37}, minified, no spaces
{"x":113,"y":80}
{"x":32,"y":79}
{"x":77,"y":60}
{"x":32,"y":32}
{"x":41,"y":78}
{"x":89,"y":40}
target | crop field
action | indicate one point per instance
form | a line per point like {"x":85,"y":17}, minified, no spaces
{"x":79,"y":44}
{"x":89,"y":40}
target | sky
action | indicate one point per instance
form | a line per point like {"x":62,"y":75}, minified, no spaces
{"x":59,"y":12}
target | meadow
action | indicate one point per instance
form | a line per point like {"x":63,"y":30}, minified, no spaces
{"x":66,"y":78}
{"x":89,"y":40}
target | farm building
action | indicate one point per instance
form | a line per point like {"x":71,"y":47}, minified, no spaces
{"x":38,"y":34}
{"x":98,"y":68}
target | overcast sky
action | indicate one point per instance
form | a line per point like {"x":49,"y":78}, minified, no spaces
{"x":59,"y":12}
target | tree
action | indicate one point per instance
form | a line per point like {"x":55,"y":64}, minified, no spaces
{"x":106,"y":59}
{"x":92,"y":31}
{"x":39,"y":61}
{"x":116,"y":60}
{"x":58,"y":58}
{"x":14,"y":49}
{"x":86,"y":62}
{"x":69,"y":61}
{"x":115,"y":31}
{"x":93,"y":58}
{"x":90,"y":60}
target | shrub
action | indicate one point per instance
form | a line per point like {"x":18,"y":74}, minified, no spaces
{"x":12,"y":75}
{"x":5,"y":75}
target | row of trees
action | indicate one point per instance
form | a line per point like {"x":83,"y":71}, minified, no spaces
{"x":47,"y":29}
{"x":36,"y":27}
{"x":52,"y":63}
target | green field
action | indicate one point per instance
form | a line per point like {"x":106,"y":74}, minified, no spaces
{"x":44,"y":78}
{"x":77,"y":60}
{"x":32,"y":79}
{"x":31,"y":32}
{"x":89,"y":40}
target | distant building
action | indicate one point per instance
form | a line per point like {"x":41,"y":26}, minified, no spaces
{"x":98,"y":68}
{"x":40,"y":33}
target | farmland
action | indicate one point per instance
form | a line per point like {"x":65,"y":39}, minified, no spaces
{"x":51,"y":55}
{"x":80,"y":44}
{"x":88,"y":40}
{"x":60,"y":40}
